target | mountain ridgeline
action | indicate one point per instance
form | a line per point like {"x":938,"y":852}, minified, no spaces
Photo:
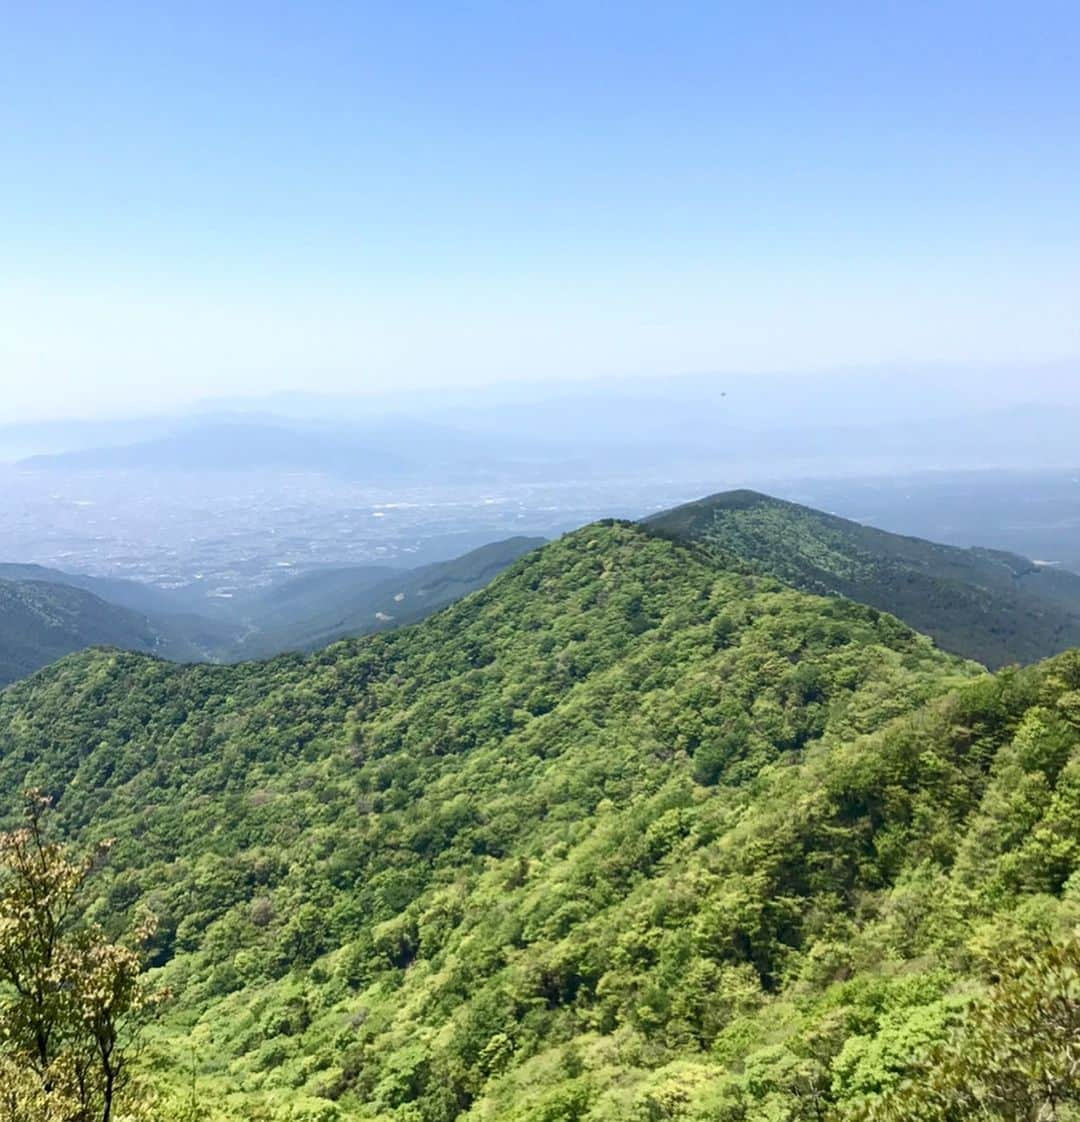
{"x":994,"y":607}
{"x":984,"y":604}
{"x":42,"y":620}
{"x":635,"y":832}
{"x":46,"y":613}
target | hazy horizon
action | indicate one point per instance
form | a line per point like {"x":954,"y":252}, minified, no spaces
{"x":942,"y":388}
{"x":290,"y":273}
{"x":202,"y":202}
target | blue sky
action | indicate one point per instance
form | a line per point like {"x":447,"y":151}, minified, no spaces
{"x":239,"y":197}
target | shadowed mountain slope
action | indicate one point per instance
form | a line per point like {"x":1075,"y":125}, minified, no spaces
{"x":46,"y":613}
{"x":137,"y":596}
{"x":983,"y":604}
{"x":40,"y":621}
{"x":324,"y":607}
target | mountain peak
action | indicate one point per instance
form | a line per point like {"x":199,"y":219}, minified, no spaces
{"x":993,"y":607}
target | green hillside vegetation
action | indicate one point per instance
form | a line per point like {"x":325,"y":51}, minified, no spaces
{"x":625,"y":835}
{"x":46,"y":613}
{"x":994,"y":607}
{"x":40,"y":622}
{"x":319,"y":608}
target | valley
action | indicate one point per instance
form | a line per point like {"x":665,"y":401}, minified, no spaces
{"x":211,"y":538}
{"x":988,"y":605}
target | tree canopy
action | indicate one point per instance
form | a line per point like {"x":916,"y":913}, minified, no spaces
{"x":70,"y":998}
{"x":632,"y":833}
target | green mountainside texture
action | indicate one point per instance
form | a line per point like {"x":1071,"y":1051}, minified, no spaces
{"x":322,"y":607}
{"x":46,"y":613}
{"x":40,"y":622}
{"x":628,"y":834}
{"x":995,"y":607}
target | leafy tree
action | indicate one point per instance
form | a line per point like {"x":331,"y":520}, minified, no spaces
{"x":1016,"y":1057}
{"x":69,"y":998}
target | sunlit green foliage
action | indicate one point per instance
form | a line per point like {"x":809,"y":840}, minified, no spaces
{"x":1015,"y":1056}
{"x":627,"y":835}
{"x":69,"y":997}
{"x":995,"y":607}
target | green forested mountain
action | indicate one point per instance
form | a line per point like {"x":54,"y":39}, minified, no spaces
{"x":318,"y":608}
{"x":995,"y":607}
{"x":46,"y":613}
{"x":628,"y":834}
{"x":41,"y":621}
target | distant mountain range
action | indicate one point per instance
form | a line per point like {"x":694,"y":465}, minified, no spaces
{"x":777,"y":424}
{"x":40,"y":621}
{"x":248,"y":446}
{"x":993,"y":607}
{"x":987,"y":605}
{"x":46,"y":613}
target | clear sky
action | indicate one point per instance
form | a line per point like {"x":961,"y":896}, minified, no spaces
{"x":202,"y":198}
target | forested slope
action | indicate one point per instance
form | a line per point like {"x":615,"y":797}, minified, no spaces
{"x":40,"y":622}
{"x":46,"y":613}
{"x":625,"y":835}
{"x":319,"y":608}
{"x":995,"y":607}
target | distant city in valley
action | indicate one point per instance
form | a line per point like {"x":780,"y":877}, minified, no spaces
{"x":243,"y":495}
{"x":217,"y":537}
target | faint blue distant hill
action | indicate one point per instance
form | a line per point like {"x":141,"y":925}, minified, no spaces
{"x":591,"y":431}
{"x":240,"y":447}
